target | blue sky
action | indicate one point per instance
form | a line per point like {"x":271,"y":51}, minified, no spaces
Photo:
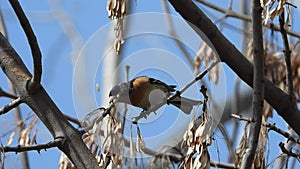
{"x":88,"y":18}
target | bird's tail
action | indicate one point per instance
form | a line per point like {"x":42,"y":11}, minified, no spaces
{"x":184,"y":104}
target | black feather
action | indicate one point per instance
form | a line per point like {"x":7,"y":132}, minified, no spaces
{"x":169,"y":87}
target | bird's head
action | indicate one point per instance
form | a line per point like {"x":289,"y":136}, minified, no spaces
{"x":120,"y":92}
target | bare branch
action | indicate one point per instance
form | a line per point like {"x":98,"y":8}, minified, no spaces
{"x":198,"y":77}
{"x":17,"y":112}
{"x":31,"y":38}
{"x":127,"y":68}
{"x":5,"y":94}
{"x":229,"y":54}
{"x":240,"y":117}
{"x":10,"y":105}
{"x":20,"y":127}
{"x":287,"y":54}
{"x":173,"y":33}
{"x":258,"y":85}
{"x":270,"y":127}
{"x":283,"y":133}
{"x":288,"y":152}
{"x":44,"y":107}
{"x":55,"y":143}
{"x":178,"y":157}
{"x":72,"y":119}
{"x":100,"y":112}
{"x":230,"y":13}
{"x":222,"y":165}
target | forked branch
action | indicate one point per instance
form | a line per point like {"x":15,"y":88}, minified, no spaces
{"x":32,"y":40}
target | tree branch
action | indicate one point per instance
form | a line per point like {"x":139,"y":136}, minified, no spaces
{"x":72,"y":119}
{"x":55,"y":143}
{"x":174,"y":35}
{"x":283,"y":133}
{"x":237,"y":61}
{"x":270,"y":127}
{"x":31,"y":38}
{"x":288,"y":152}
{"x":222,"y":165}
{"x":40,"y":102}
{"x":258,"y":86}
{"x":10,"y":105}
{"x":174,"y":157}
{"x":230,"y":13}
{"x":287,"y":54}
{"x":5,"y":94}
{"x":20,"y":127}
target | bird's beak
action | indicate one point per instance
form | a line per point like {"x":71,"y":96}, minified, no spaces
{"x":112,"y":99}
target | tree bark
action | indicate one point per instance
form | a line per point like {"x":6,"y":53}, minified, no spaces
{"x":258,"y":86}
{"x":40,"y":102}
{"x":229,"y":54}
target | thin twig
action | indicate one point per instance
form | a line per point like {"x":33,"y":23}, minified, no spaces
{"x":287,"y":54}
{"x":288,"y":152}
{"x":228,"y":141}
{"x":222,"y":165}
{"x":55,"y":143}
{"x":5,"y":94}
{"x":177,"y":157}
{"x":101,"y":113}
{"x":174,"y":34}
{"x":283,"y":133}
{"x":32,"y":40}
{"x":235,"y":108}
{"x":229,"y":13}
{"x":198,"y":77}
{"x":233,"y":14}
{"x":240,"y":117}
{"x":20,"y":127}
{"x":72,"y":119}
{"x":230,"y":5}
{"x":270,"y":127}
{"x":125,"y":105}
{"x":10,"y":105}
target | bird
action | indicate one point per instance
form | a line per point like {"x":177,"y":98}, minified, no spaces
{"x":145,"y":92}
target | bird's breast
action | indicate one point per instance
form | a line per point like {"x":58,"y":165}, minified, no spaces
{"x":147,"y":95}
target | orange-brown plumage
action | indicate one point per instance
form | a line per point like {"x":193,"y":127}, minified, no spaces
{"x":145,"y":92}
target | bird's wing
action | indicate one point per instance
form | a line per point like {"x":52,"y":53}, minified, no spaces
{"x":171,"y":88}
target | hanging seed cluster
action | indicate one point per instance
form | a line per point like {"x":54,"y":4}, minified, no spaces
{"x":116,"y":10}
